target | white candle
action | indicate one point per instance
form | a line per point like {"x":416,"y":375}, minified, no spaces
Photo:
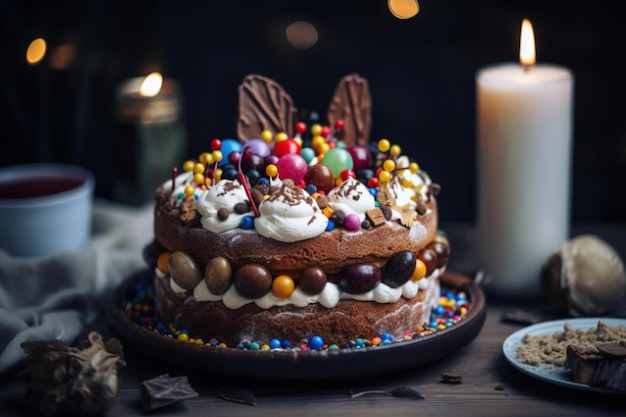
{"x":524,"y":150}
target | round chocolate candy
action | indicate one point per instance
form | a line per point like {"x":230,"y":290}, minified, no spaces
{"x":253,"y":280}
{"x":429,"y":257}
{"x":360,"y":278}
{"x":313,"y":280}
{"x":321,"y":176}
{"x":441,"y":249}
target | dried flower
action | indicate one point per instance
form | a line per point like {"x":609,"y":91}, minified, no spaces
{"x":80,"y":380}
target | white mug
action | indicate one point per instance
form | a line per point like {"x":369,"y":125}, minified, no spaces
{"x":45,"y":209}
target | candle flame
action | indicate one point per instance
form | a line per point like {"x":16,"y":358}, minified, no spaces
{"x":151,"y":85}
{"x":527,"y":44}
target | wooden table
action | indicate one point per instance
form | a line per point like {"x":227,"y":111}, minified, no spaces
{"x":490,"y":386}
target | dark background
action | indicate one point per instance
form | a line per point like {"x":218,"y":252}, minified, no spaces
{"x":421,"y":74}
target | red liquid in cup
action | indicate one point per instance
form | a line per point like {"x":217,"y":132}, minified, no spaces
{"x":39,"y":186}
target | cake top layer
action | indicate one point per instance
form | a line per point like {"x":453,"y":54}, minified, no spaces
{"x":292,"y":182}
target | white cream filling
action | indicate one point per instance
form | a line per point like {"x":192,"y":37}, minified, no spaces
{"x":329,"y":297}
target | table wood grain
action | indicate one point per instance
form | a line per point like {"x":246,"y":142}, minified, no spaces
{"x":490,"y":385}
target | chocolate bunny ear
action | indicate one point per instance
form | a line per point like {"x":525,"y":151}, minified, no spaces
{"x":263,"y":104}
{"x":352,"y":103}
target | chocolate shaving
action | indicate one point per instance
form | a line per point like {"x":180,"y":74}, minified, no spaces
{"x":352,"y":103}
{"x":164,"y":390}
{"x":264,"y":104}
{"x":237,"y":394}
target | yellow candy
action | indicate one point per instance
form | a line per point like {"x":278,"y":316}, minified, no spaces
{"x":414,"y":167}
{"x":203,"y":157}
{"x":283,"y":286}
{"x":389,"y":165}
{"x":384,"y":145}
{"x":188,"y":165}
{"x":265,"y":347}
{"x":183,"y":337}
{"x":407,"y":183}
{"x":198,"y":179}
{"x":271,"y":170}
{"x":208,"y":181}
{"x":222,"y":345}
{"x":280,"y":136}
{"x":217,"y":156}
{"x":266,"y":135}
{"x":385,"y":176}
{"x":420,"y":270}
{"x":162,"y":262}
{"x":395,"y":150}
{"x":199,"y":342}
{"x":189,"y":190}
{"x":316,"y":129}
{"x":198,"y":168}
{"x":317,"y":141}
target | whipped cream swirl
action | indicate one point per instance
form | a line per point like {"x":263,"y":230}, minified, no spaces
{"x":223,"y":195}
{"x":290,"y":215}
{"x":351,"y":196}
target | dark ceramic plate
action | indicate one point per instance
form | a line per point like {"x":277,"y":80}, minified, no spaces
{"x":291,"y":364}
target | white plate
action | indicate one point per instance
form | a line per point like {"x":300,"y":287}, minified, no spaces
{"x":551,"y":373}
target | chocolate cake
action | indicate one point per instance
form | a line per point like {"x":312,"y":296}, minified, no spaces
{"x":298,"y":233}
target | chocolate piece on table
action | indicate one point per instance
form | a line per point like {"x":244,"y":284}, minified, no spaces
{"x":164,"y":390}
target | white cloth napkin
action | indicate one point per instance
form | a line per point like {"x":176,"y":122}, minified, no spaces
{"x":55,"y":297}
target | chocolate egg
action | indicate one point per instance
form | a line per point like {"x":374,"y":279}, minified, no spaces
{"x":583,"y":277}
{"x":218,"y":275}
{"x":253,"y":280}
{"x":399,"y":268}
{"x":184,"y":270}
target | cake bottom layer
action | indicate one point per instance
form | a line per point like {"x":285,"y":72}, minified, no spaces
{"x":346,"y":321}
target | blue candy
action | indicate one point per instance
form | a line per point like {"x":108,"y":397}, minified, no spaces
{"x":316,"y":342}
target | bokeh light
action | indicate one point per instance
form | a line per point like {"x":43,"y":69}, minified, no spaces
{"x":403,"y":9}
{"x":36,"y":51}
{"x":301,"y":34}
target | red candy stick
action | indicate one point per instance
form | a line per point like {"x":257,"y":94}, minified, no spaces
{"x":174,"y":173}
{"x":244,"y":182}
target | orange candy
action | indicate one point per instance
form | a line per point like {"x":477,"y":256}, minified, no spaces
{"x":420,"y":270}
{"x":283,"y":286}
{"x":162,"y":262}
